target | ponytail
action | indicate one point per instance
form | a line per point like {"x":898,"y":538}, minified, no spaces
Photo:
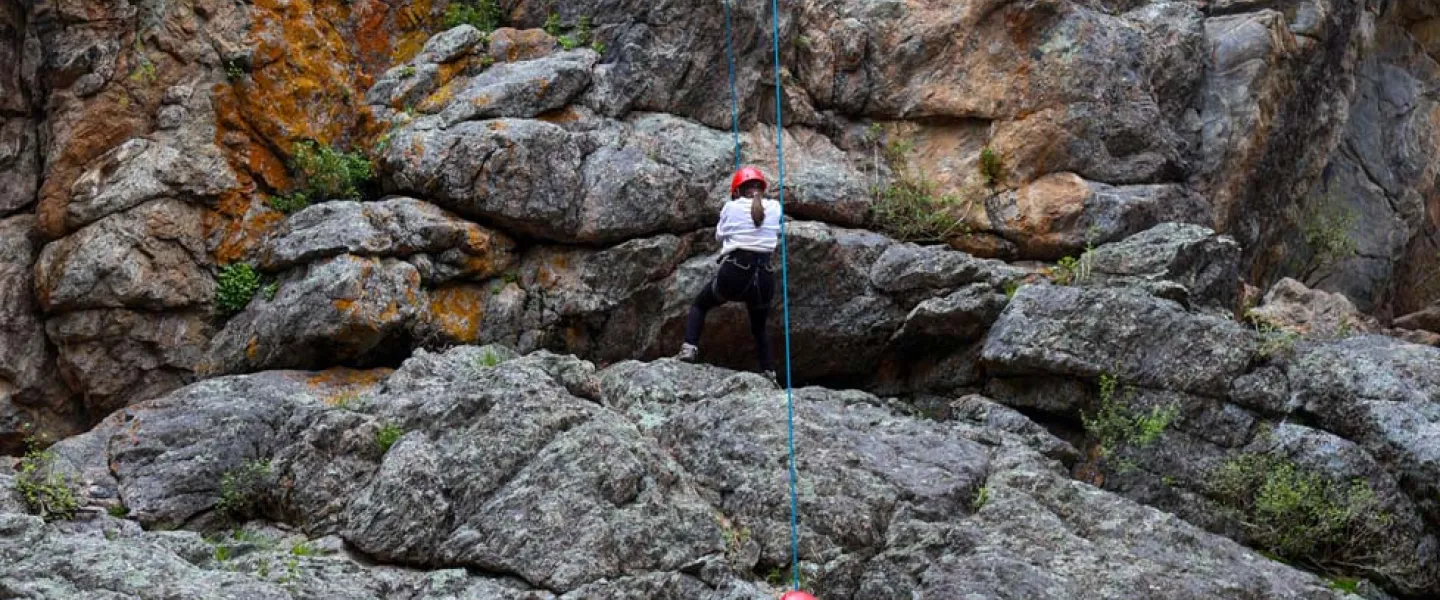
{"x":757,"y":211}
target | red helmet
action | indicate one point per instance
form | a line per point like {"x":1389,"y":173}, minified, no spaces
{"x":797,"y":595}
{"x":744,"y":175}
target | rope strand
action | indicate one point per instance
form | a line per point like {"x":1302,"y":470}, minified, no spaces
{"x":785,"y":297}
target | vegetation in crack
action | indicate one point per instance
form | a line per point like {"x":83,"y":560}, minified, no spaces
{"x":238,"y":283}
{"x":326,"y":173}
{"x":47,"y":493}
{"x":240,"y":489}
{"x":480,"y":14}
{"x":1115,"y":424}
{"x":387,"y":436}
{"x":909,"y":208}
{"x":1326,"y":232}
{"x":1302,"y":516}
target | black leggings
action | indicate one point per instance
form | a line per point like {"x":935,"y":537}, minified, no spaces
{"x":743,"y":277}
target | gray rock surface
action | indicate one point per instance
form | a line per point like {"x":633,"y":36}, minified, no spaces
{"x":337,"y":310}
{"x":442,"y":246}
{"x":1204,"y":264}
{"x":498,"y":457}
{"x":648,"y":175}
{"x":1086,"y":332}
{"x":149,"y":258}
{"x":30,"y":391}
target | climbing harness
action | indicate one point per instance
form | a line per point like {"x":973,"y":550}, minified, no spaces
{"x":784,"y":270}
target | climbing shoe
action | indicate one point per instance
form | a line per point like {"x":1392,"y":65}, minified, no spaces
{"x":688,"y":353}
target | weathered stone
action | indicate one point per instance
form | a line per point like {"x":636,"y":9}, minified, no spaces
{"x":30,"y":390}
{"x":1270,"y":84}
{"x":1061,"y":214}
{"x":342,"y":310}
{"x":686,"y":462}
{"x":1203,"y":263}
{"x":450,"y":247}
{"x":1088,"y":332}
{"x":508,"y":44}
{"x":909,"y":268}
{"x":649,"y":175}
{"x":151,"y":258}
{"x":1291,"y":305}
{"x":121,"y":356}
{"x":964,"y":315}
{"x":19,"y":163}
{"x":1382,"y":394}
{"x":820,"y":184}
{"x":1381,"y":176}
{"x":1427,"y":319}
{"x":450,"y":44}
{"x":521,"y":89}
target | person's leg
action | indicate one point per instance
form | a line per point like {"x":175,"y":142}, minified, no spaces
{"x":758,"y":306}
{"x":695,"y":320}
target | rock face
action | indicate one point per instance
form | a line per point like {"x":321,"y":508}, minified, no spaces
{"x":545,"y":178}
{"x":676,"y":475}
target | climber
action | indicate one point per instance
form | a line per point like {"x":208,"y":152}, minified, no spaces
{"x":748,"y":232}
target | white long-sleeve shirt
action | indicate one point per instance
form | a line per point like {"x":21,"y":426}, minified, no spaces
{"x":737,"y":229}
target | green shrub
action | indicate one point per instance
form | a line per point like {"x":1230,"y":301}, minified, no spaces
{"x":990,"y":166}
{"x":234,"y":71}
{"x":240,"y":488}
{"x":1073,"y":271}
{"x":482,"y":15}
{"x":238,"y":283}
{"x":552,"y":25}
{"x":1274,"y":341}
{"x":910,"y":211}
{"x":387,"y":436}
{"x":46,"y":492}
{"x":118,"y":511}
{"x":328,"y":173}
{"x":288,"y":203}
{"x":303,"y":549}
{"x":1327,"y":234}
{"x":1115,"y":425}
{"x":1299,"y":514}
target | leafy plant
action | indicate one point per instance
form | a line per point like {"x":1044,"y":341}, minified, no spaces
{"x":233,"y":70}
{"x":47,"y":493}
{"x":288,"y":203}
{"x":1327,"y":233}
{"x":1300,"y":514}
{"x":1074,"y":271}
{"x":329,"y":173}
{"x":990,"y":166}
{"x":482,"y":15}
{"x":981,"y":497}
{"x":387,"y":436}
{"x":270,"y":290}
{"x":909,"y":210}
{"x":237,"y":285}
{"x":118,"y":511}
{"x":303,"y":549}
{"x":568,"y":42}
{"x":1275,"y":341}
{"x":1116,"y":425}
{"x":240,"y":488}
{"x":552,"y":25}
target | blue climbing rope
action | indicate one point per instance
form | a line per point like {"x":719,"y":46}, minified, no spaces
{"x":734,"y":101}
{"x":785,"y":297}
{"x":784,"y":262}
